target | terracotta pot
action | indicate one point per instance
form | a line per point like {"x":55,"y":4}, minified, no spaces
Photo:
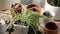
{"x":51,"y":28}
{"x":17,"y":7}
{"x":37,"y":7}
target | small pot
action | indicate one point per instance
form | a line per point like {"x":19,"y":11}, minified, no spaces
{"x":51,"y":28}
{"x":37,"y":7}
{"x":53,"y":8}
{"x":20,"y":29}
{"x":16,"y":8}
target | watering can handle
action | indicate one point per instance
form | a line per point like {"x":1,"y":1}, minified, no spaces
{"x":11,"y":22}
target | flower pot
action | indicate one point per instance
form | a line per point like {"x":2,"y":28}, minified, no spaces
{"x":16,"y":8}
{"x":51,"y":28}
{"x":4,"y":4}
{"x":49,"y":16}
{"x":40,"y":2}
{"x":53,"y":8}
{"x":20,"y":29}
{"x":37,"y":7}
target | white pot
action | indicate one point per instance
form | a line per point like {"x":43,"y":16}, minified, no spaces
{"x":41,"y":2}
{"x":55,"y":9}
{"x":4,"y":4}
{"x":19,"y":29}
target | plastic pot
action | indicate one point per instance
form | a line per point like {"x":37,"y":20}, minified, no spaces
{"x":20,"y":29}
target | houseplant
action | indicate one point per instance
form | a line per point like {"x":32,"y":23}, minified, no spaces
{"x":53,"y":5}
{"x":25,"y":19}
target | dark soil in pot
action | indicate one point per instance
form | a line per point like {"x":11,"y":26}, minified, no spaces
{"x":19,"y":22}
{"x":51,"y":26}
{"x":31,"y":31}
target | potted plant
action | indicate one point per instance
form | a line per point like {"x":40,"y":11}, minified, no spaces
{"x":21,"y":26}
{"x":35,"y":7}
{"x":23,"y":21}
{"x":53,"y":5}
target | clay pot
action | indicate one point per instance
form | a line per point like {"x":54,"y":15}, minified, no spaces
{"x":51,"y":28}
{"x":17,"y":7}
{"x":37,"y":7}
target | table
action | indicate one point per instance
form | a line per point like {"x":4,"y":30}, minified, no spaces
{"x":4,"y":16}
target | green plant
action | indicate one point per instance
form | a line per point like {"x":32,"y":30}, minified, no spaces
{"x":29,"y":17}
{"x":54,"y":2}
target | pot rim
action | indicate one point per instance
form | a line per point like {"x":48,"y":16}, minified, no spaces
{"x":52,"y":6}
{"x":50,"y":29}
{"x":37,"y":6}
{"x":20,"y":25}
{"x":19,"y":7}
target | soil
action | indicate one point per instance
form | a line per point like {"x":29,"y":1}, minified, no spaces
{"x":51,"y":26}
{"x":31,"y":31}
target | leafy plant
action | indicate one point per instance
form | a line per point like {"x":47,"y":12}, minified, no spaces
{"x":30,"y":17}
{"x":54,"y":2}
